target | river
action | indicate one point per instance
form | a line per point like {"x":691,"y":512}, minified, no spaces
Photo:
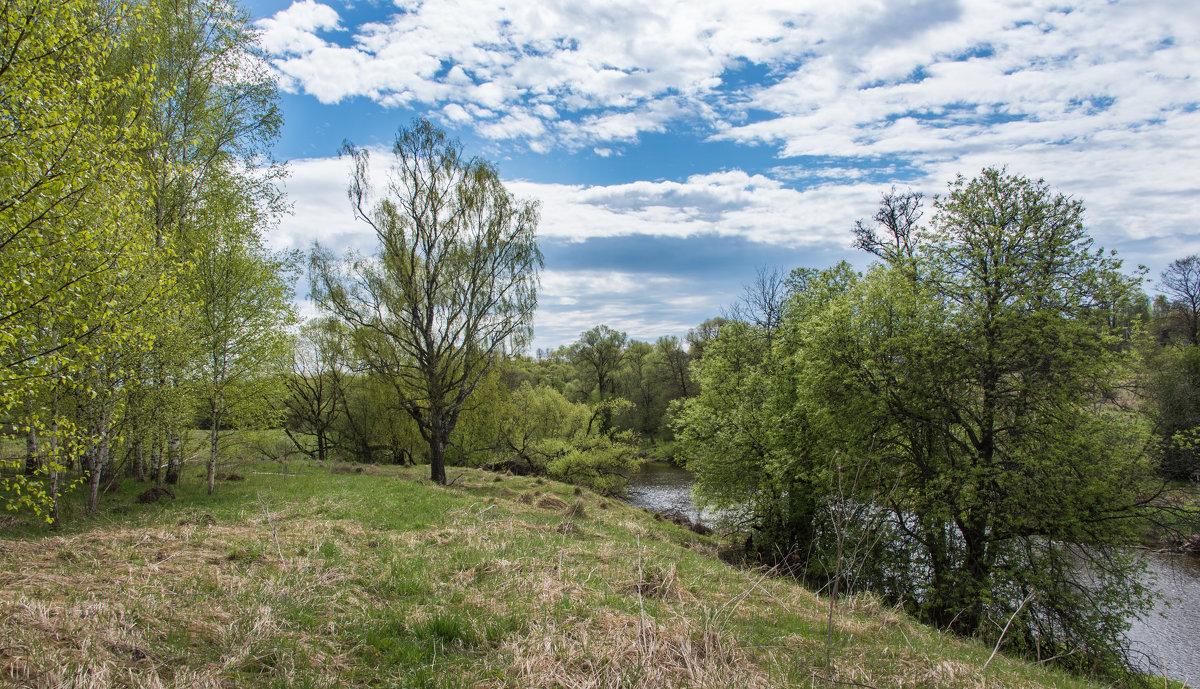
{"x":1169,"y":636}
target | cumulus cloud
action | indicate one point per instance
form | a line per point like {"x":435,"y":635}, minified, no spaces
{"x":1099,"y":97}
{"x":756,"y":208}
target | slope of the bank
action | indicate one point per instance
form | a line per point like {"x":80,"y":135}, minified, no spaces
{"x":380,"y":578}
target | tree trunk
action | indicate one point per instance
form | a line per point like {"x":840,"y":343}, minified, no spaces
{"x":99,"y":464}
{"x":32,"y":461}
{"x":174,"y":461}
{"x":139,"y":459}
{"x":212,"y":452}
{"x":156,"y":472}
{"x":437,"y":457}
{"x":54,"y":460}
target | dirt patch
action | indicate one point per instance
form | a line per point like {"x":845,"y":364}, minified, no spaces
{"x":154,"y":494}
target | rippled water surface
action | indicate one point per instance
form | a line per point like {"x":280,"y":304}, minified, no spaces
{"x":662,"y":487}
{"x":1171,"y":643}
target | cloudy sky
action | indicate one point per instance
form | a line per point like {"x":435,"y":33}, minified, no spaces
{"x":678,"y":145}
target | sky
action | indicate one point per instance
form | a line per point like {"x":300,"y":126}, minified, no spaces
{"x":678,"y":146}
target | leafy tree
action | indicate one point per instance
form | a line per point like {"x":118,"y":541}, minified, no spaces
{"x":672,"y":365}
{"x":214,"y":117}
{"x":600,"y":352}
{"x":69,"y":228}
{"x":314,"y":382}
{"x":974,"y":369}
{"x":746,"y":435}
{"x":637,"y":384}
{"x":243,"y":309}
{"x":969,"y":385}
{"x":699,"y":336}
{"x":453,"y":284}
{"x":547,"y":433}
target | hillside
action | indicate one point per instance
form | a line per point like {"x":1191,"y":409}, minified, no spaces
{"x":380,"y":578}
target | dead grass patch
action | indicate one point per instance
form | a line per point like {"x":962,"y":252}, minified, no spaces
{"x":575,"y":510}
{"x":551,"y":502}
{"x":631,"y":652}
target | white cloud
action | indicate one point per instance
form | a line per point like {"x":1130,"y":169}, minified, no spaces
{"x":723,"y":204}
{"x":293,"y":31}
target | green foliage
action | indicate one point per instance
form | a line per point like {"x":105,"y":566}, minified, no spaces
{"x":966,"y":384}
{"x":75,"y":249}
{"x":453,"y":285}
{"x":549,"y":434}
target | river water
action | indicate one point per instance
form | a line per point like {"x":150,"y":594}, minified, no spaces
{"x":1169,"y":636}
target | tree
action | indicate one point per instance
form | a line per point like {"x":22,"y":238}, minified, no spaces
{"x":243,"y":307}
{"x":672,"y":363}
{"x":762,"y":301}
{"x":214,"y":117}
{"x":968,"y":386}
{"x":600,"y":351}
{"x":747,"y":436}
{"x":452,"y":286}
{"x":699,"y":336}
{"x":975,"y":370}
{"x":70,"y":231}
{"x":314,"y":384}
{"x":545,"y":433}
{"x":1181,"y":283}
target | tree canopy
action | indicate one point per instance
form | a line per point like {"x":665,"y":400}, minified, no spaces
{"x":454,"y":282}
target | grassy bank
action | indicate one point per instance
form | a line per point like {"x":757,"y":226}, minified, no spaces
{"x":380,"y":578}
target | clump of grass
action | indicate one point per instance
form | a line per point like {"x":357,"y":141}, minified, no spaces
{"x":657,"y":581}
{"x":551,"y":502}
{"x":627,"y":651}
{"x":575,"y":510}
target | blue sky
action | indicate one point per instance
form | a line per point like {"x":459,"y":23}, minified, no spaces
{"x":676,"y":146}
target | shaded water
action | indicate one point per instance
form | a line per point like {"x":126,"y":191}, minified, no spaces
{"x":1171,"y":644}
{"x":663,"y":487}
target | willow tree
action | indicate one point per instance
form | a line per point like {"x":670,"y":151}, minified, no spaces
{"x":454,"y":282}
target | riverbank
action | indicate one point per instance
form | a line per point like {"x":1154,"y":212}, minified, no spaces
{"x":379,"y":578}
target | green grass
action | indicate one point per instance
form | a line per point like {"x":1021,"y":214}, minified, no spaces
{"x":386,"y":580}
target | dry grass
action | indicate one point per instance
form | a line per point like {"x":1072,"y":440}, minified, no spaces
{"x":487,"y":591}
{"x":626,"y":651}
{"x":551,"y":502}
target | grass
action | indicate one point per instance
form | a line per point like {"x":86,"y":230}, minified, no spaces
{"x":387,"y":580}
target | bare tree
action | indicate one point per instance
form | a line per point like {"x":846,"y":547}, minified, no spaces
{"x":897,"y":217}
{"x":762,"y":301}
{"x":1181,"y":282}
{"x":454,"y":282}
